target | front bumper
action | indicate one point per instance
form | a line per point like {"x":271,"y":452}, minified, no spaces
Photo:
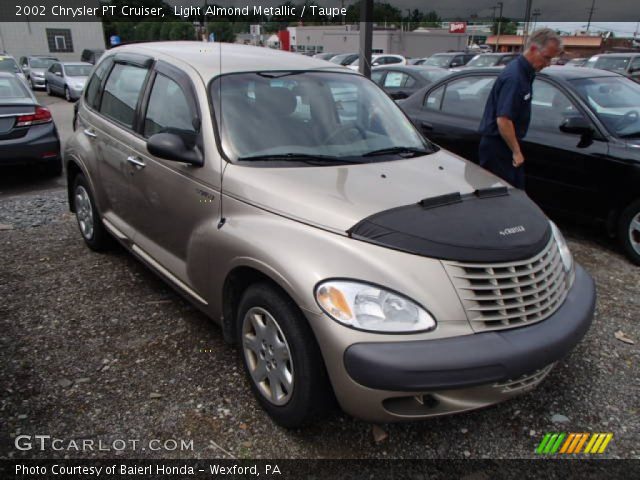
{"x":37,"y":82}
{"x":391,"y":381}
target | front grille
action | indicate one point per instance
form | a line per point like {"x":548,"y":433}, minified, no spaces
{"x":525,"y":381}
{"x":507,"y":295}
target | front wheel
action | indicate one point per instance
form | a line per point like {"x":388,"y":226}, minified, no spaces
{"x":67,"y":94}
{"x":93,"y":232}
{"x":281,"y":357}
{"x":629,"y":231}
{"x":48,"y":89}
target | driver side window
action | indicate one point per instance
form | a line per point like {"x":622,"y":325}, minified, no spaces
{"x":550,"y":106}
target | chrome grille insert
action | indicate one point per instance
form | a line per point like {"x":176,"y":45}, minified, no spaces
{"x":507,"y":295}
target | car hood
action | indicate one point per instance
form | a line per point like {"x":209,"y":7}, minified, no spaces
{"x":38,"y":71}
{"x":337,"y":197}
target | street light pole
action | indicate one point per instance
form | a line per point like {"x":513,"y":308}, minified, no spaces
{"x":500,"y":5}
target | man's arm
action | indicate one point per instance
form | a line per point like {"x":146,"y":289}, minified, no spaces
{"x":508,"y":134}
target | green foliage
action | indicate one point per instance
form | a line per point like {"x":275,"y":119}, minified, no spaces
{"x":507,"y":27}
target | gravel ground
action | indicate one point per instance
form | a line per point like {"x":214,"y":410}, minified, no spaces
{"x":95,"y":346}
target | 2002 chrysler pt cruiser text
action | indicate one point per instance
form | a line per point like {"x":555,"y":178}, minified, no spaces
{"x":348,"y":257}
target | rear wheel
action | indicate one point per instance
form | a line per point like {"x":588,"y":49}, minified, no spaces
{"x":281,"y":357}
{"x":629,"y":231}
{"x":89,"y":222}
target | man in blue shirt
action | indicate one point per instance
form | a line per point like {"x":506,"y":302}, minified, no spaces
{"x":508,"y":111}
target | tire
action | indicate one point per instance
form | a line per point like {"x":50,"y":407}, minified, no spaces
{"x":67,"y":94}
{"x":288,"y":344}
{"x":91,"y":228}
{"x":48,"y":89}
{"x":31,"y":84}
{"x":629,"y":231}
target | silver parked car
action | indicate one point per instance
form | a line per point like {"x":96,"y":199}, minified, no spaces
{"x":345,"y":255}
{"x":35,"y":67}
{"x":67,"y":79}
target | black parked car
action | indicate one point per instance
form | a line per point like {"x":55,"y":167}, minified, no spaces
{"x":401,"y":81}
{"x":449,"y":59}
{"x":27,"y":132}
{"x":490,"y":60}
{"x":582,"y":151}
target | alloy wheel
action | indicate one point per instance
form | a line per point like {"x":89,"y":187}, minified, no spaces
{"x":67,"y":95}
{"x":267,"y":356}
{"x":84,"y":212}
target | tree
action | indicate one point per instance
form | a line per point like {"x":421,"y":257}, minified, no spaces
{"x":182,"y":31}
{"x":507,"y":27}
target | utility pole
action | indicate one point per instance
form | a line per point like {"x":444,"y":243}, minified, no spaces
{"x":500,"y":5}
{"x":527,"y":19}
{"x":536,"y":14}
{"x":593,"y":3}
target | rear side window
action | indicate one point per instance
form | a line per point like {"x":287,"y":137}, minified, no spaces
{"x":121,"y":93}
{"x":434,"y":100}
{"x":467,"y":96}
{"x":92,"y":95}
{"x":168,"y":110}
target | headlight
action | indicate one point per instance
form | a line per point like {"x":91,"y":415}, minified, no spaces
{"x":565,"y":254}
{"x":78,"y":86}
{"x":371,"y":308}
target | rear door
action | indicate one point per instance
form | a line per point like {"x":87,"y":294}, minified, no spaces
{"x":113,"y":96}
{"x":451,"y":113}
{"x":398,"y":84}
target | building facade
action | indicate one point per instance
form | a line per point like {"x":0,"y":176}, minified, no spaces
{"x":64,"y":40}
{"x":346,"y":38}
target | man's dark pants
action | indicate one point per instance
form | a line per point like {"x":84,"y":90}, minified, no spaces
{"x":495,"y":156}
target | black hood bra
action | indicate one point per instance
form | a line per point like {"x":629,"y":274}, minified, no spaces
{"x":490,"y":225}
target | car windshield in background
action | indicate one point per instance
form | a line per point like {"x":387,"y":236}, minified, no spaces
{"x":8,"y":64}
{"x":483,"y":61}
{"x":344,"y":59}
{"x":12,"y":88}
{"x":42,"y":62}
{"x":433,"y":75}
{"x":78,"y":70}
{"x":617,"y":64}
{"x":615,"y":100}
{"x":319,"y":117}
{"x":439,"y":60}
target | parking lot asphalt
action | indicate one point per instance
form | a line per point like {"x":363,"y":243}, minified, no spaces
{"x":96,"y":347}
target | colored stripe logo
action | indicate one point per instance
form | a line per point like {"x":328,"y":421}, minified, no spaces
{"x":574,"y":443}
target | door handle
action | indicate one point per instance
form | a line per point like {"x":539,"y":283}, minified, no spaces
{"x":426,"y":126}
{"x":136,"y":161}
{"x":89,"y":133}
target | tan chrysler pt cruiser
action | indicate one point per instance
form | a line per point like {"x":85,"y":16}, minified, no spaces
{"x":345,"y":255}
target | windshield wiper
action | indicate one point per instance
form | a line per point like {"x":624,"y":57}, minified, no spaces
{"x":399,"y":150}
{"x":300,"y":157}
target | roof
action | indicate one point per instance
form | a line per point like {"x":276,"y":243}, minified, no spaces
{"x":410,"y":68}
{"x":85,"y":64}
{"x":213,"y":59}
{"x":618,"y":55}
{"x":567,"y":41}
{"x":560,"y":72}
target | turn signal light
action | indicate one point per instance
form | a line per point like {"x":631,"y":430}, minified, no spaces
{"x":41,"y":115}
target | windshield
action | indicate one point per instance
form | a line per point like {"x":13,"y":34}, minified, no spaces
{"x":483,"y":61}
{"x":344,"y":59}
{"x":324,"y":115}
{"x":618,"y":64}
{"x":615,"y":100}
{"x":42,"y":62}
{"x":78,"y":70}
{"x":439,"y":60}
{"x":8,"y":64}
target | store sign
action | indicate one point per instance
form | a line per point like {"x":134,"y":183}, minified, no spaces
{"x":457,"y":27}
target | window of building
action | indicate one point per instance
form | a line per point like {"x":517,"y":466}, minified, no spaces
{"x":59,"y":40}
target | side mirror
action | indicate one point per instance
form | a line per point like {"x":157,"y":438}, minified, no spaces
{"x":172,"y":147}
{"x":58,"y":74}
{"x":375,"y":64}
{"x":577,"y":125}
